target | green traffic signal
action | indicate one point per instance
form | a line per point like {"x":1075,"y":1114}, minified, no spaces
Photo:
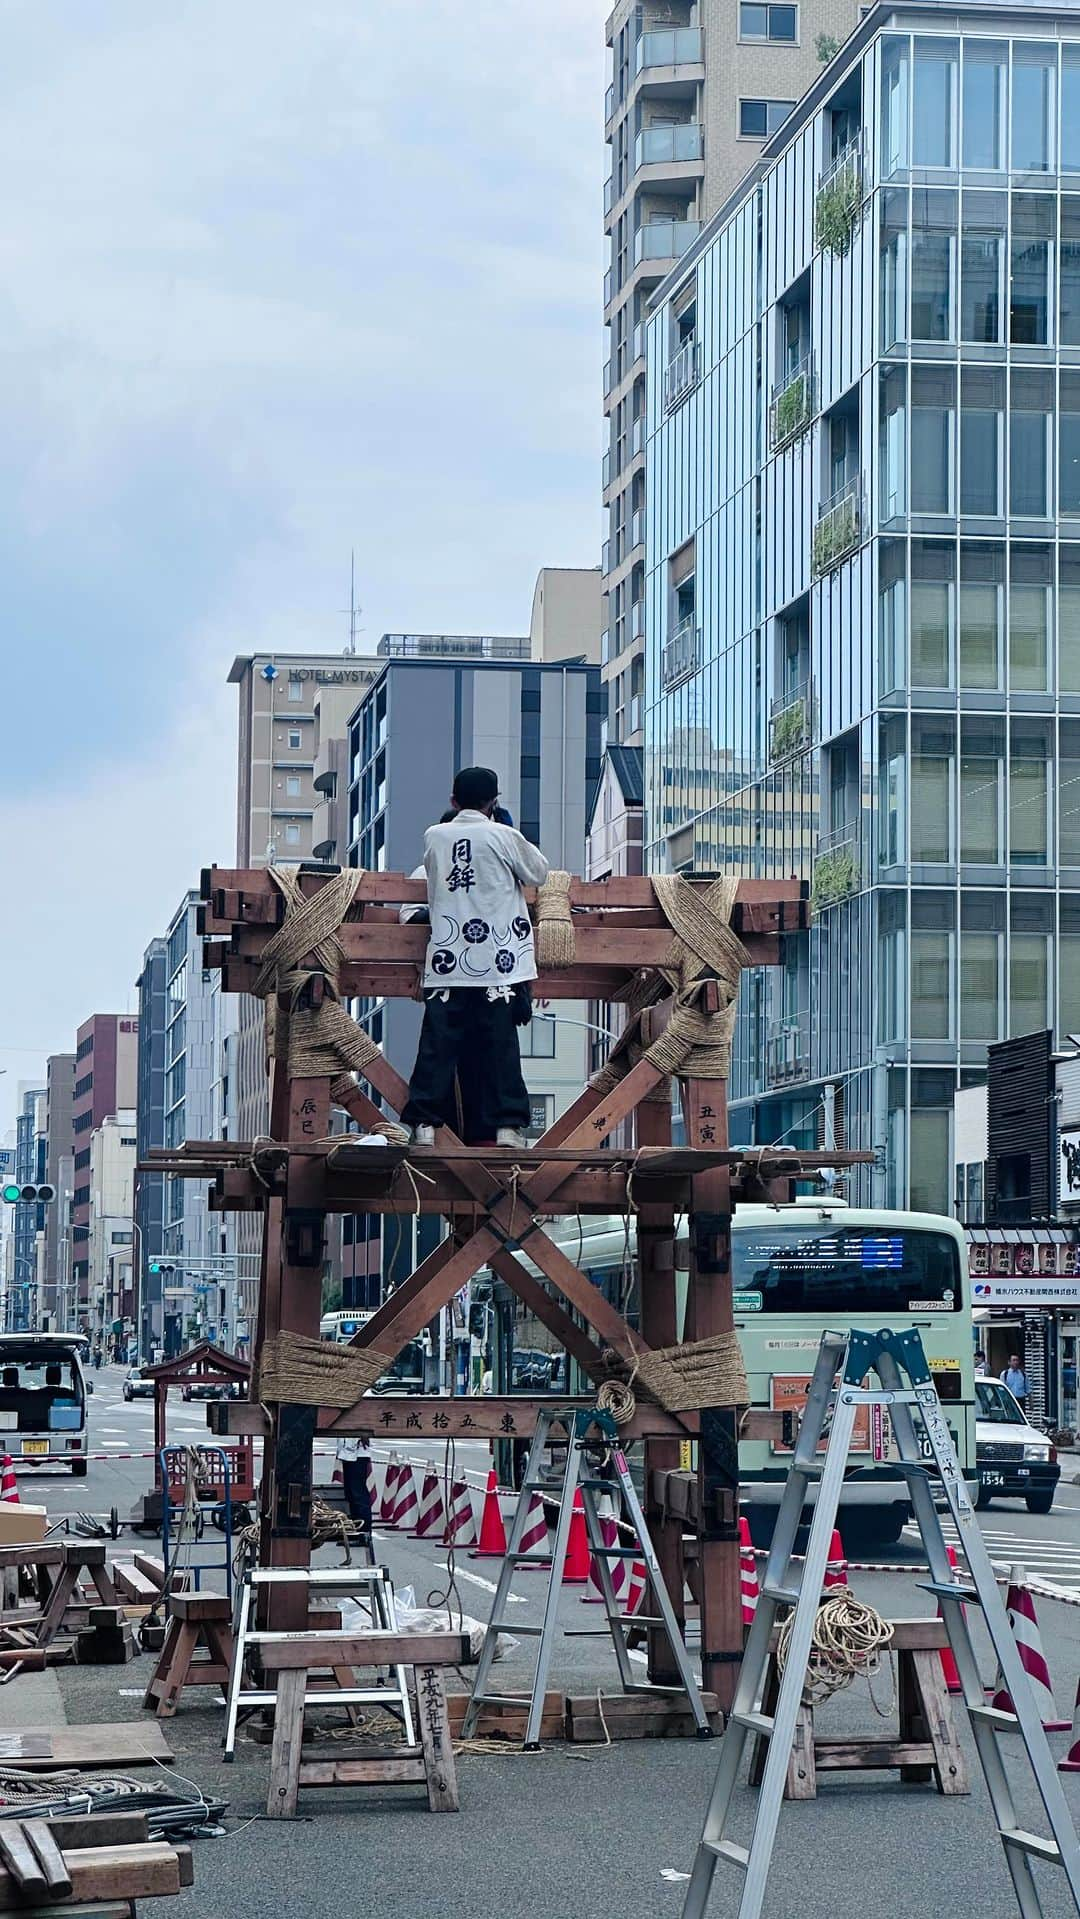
{"x":155,"y":1265}
{"x":12,"y":1194}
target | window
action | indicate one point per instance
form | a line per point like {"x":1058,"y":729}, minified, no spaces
{"x":1031,"y":403}
{"x":767,"y":22}
{"x":1069,"y":618}
{"x":296,"y":689}
{"x":933,"y":253}
{"x":1029,"y":618}
{"x":980,"y":986}
{"x":1070,"y":109}
{"x":985,"y":71}
{"x":892,"y":460}
{"x":982,"y":439}
{"x":1034,"y":77}
{"x":933,"y":574}
{"x":292,"y":786}
{"x":934,"y":96}
{"x":538,"y":1037}
{"x":932,"y":938}
{"x":982,"y":573}
{"x":295,"y":737}
{"x":1028,"y":797}
{"x":933,"y":412}
{"x":1069,"y":794}
{"x":931,"y":794}
{"x":894,"y":239}
{"x":1029,"y":973}
{"x":1029,"y":296}
{"x":1069,"y":443}
{"x":982,"y":253}
{"x":759,"y":118}
{"x":892,"y":616}
{"x":1069,"y":962}
{"x":893,"y":769}
{"x":292,"y":834}
{"x":894,"y":104}
{"x":982,"y":751}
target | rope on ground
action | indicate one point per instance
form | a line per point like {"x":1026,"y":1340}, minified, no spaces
{"x":849,"y":1639}
{"x":555,"y":945}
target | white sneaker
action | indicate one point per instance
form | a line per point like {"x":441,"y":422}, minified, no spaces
{"x":509,"y":1136}
{"x":423,"y":1135}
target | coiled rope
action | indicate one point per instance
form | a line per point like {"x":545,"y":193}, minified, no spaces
{"x":849,"y":1640}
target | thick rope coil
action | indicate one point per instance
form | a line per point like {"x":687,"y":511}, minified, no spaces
{"x":555,"y":947}
{"x":617,"y":1398}
{"x":849,"y":1639}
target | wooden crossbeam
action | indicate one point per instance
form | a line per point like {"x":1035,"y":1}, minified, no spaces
{"x":509,"y":1416}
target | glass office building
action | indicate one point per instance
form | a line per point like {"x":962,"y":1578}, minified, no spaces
{"x":863,"y":574}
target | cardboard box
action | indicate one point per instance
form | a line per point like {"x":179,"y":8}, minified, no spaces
{"x":22,"y":1525}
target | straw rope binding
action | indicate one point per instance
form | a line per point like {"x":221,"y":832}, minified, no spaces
{"x":555,"y":947}
{"x":310,"y":1372}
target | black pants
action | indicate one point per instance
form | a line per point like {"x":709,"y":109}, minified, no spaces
{"x":470,"y":1037}
{"x":356,"y":1479}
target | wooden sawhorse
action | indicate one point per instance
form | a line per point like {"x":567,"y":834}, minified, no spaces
{"x":195,"y":1620}
{"x":927,"y":1746}
{"x":293,"y":1655}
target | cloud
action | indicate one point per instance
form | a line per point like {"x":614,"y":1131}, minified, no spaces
{"x":275,"y":282}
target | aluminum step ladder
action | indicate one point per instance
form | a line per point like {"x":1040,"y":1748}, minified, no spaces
{"x":370,"y":1585}
{"x":596,"y":1466}
{"x":836,"y":1396}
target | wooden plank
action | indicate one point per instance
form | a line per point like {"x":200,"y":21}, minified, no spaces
{"x":101,"y":1829}
{"x":239,"y":893}
{"x":287,"y":1745}
{"x":128,"y":1742}
{"x":20,"y":1862}
{"x":40,"y":1555}
{"x":196,"y":1607}
{"x":635,"y":1716}
{"x":302,"y":1650}
{"x":870,"y":1755}
{"x":509,"y":1722}
{"x":362,"y":1772}
{"x":113,"y":1872}
{"x":512,"y":1416}
{"x":435,"y":1742}
{"x":935,"y":1712}
{"x":49,"y":1857}
{"x":133,"y":1583}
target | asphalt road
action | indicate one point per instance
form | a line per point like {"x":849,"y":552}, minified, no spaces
{"x":577,"y":1832}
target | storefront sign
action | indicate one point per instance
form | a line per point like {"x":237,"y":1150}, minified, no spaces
{"x":1026,"y":1292}
{"x":1022,"y":1259}
{"x":1069,"y":1167}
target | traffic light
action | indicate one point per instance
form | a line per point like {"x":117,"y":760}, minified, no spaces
{"x":14,"y":1194}
{"x":162,"y":1268}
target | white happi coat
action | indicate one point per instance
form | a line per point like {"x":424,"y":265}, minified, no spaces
{"x":481,"y":933}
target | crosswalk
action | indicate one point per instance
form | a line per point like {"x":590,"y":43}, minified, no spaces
{"x":1054,"y":1560}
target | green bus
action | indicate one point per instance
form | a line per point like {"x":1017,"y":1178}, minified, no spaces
{"x":804,"y":1268}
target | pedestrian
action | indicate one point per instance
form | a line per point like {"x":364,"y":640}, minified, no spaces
{"x":980,"y":1365}
{"x":1015,"y":1378}
{"x":480,"y":947}
{"x":354,"y":1458}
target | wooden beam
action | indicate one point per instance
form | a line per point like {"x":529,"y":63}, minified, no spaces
{"x":487,"y":1417}
{"x":248,"y":894}
{"x":307,"y":1650}
{"x":539,"y":1302}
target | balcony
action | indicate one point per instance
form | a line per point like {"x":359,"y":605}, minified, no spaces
{"x":664,"y":239}
{"x":791,"y":723}
{"x":838,"y":530}
{"x":668,"y":146}
{"x":609,"y":285}
{"x":637,"y":529}
{"x":635,"y":713}
{"x":637,"y":436}
{"x":682,"y":654}
{"x":792,"y":407}
{"x":659,"y":56}
{"x":837,"y":867}
{"x":605,"y":646}
{"x":637,"y":620}
{"x":609,"y":193}
{"x":605,"y":557}
{"x":637,"y":343}
{"x":839,"y":199}
{"x":609,"y":103}
{"x":682,"y":374}
{"x":787,"y":1050}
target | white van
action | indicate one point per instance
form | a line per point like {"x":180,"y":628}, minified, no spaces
{"x":1014,"y":1459}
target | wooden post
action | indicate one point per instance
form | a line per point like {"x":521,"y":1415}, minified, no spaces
{"x":656,"y":1283}
{"x":709,"y":1311}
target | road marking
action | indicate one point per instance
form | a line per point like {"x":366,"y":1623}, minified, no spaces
{"x":474,"y":1579}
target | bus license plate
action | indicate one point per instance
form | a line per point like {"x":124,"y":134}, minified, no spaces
{"x":35,"y":1445}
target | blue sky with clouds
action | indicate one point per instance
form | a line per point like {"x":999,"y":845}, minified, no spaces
{"x":275,"y":281}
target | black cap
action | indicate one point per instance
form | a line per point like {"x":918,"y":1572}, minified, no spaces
{"x":476,"y":786}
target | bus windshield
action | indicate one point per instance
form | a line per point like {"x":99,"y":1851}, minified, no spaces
{"x":826,"y":1269}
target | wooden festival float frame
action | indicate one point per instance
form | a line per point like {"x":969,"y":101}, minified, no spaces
{"x":304,"y":950}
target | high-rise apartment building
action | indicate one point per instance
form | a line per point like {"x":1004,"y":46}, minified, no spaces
{"x":863,"y":574}
{"x":59,"y":1152}
{"x":106,"y":1081}
{"x":539,"y":726}
{"x":696,"y":88}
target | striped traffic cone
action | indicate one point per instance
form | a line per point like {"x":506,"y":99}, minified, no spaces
{"x":460,"y":1520}
{"x":534,"y":1540}
{"x":948,"y":1658}
{"x":609,"y":1536}
{"x":576,"y":1568}
{"x":1071,"y":1761}
{"x":836,"y":1570}
{"x":492,"y":1541}
{"x":9,"y":1490}
{"x":406,"y":1505}
{"x":635,"y":1585}
{"x":749,"y":1590}
{"x":1025,"y":1630}
{"x":431,"y":1523}
{"x":389,"y":1491}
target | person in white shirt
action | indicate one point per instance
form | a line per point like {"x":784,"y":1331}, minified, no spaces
{"x":481,"y":946}
{"x":354,"y":1458}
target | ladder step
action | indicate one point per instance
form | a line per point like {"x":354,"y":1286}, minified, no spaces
{"x":616,"y":1552}
{"x":1033,"y":1843}
{"x":993,"y":1717}
{"x":762,"y":1722}
{"x":531,"y":1559}
{"x":502,"y":1699}
{"x":736,"y":1855}
{"x":784,"y":1595}
{"x":945,"y":1589}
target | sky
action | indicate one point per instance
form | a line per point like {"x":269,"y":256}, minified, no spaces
{"x":276,"y":282}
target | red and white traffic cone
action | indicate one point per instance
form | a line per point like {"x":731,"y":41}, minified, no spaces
{"x":576,"y":1569}
{"x":389,"y":1491}
{"x":749,"y":1590}
{"x":635,"y":1585}
{"x":1025,"y":1630}
{"x":9,"y":1490}
{"x":460,"y":1520}
{"x":948,"y":1658}
{"x":406,"y":1505}
{"x":609,"y":1535}
{"x":836,"y":1570}
{"x":431,"y":1523}
{"x":1071,"y":1761}
{"x":492,"y":1541}
{"x":534,"y":1540}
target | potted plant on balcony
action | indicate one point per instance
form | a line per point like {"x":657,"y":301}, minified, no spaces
{"x":792,"y":410}
{"x":834,"y":535}
{"x":837,"y":206}
{"x":836,"y":876}
{"x":789,"y":729}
